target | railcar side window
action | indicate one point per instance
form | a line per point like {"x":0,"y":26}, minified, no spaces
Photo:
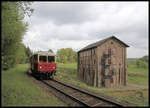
{"x":43,"y":58}
{"x":51,"y":58}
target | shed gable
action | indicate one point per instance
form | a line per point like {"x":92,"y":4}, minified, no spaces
{"x":102,"y":42}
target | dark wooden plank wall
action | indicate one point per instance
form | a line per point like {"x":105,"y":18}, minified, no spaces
{"x":118,"y":60}
{"x":90,"y":65}
{"x":87,"y":66}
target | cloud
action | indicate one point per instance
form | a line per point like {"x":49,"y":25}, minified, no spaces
{"x":62,"y":24}
{"x":61,"y":12}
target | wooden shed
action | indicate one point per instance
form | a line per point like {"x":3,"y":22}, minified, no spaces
{"x":103,"y":64}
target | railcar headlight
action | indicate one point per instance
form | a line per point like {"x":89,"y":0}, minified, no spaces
{"x":53,"y":67}
{"x":40,"y":67}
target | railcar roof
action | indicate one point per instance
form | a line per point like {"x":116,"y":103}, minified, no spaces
{"x":101,"y":42}
{"x":44,"y":53}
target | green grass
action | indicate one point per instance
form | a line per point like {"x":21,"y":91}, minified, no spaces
{"x":138,"y":79}
{"x":68,"y":73}
{"x":133,"y":68}
{"x":69,"y":65}
{"x":135,"y":96}
{"x":136,"y":75}
{"x":19,"y":90}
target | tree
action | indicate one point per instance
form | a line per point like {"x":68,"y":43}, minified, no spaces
{"x":137,"y":63}
{"x":28,"y":53}
{"x":13,"y":28}
{"x":75,"y":56}
{"x":65,"y":55}
{"x":144,"y":58}
{"x":21,"y":54}
{"x":50,"y":50}
{"x":140,"y":63}
{"x":61,"y":55}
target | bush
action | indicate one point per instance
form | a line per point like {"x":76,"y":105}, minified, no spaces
{"x":141,"y":64}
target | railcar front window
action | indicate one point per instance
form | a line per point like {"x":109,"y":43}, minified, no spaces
{"x":43,"y":58}
{"x":51,"y":58}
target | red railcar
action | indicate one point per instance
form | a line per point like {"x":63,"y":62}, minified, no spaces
{"x":43,"y":64}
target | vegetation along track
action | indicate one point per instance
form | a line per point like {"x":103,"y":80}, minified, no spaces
{"x":83,"y":96}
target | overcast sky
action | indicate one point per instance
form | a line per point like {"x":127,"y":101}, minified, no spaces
{"x":74,"y":25}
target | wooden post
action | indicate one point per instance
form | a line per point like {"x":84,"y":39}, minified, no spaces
{"x":125,"y":67}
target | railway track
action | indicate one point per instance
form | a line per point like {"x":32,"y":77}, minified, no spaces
{"x":83,"y":96}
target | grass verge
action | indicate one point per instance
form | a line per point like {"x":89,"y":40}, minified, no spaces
{"x":138,"y":79}
{"x":138,"y":96}
{"x":19,"y":90}
{"x":133,"y":68}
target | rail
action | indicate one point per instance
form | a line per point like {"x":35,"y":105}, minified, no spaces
{"x":84,"y":96}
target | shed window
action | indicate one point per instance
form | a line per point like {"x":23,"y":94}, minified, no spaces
{"x":43,"y":58}
{"x":51,"y":58}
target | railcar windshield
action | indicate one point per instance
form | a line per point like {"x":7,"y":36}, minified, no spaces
{"x":43,"y":59}
{"x":51,"y":58}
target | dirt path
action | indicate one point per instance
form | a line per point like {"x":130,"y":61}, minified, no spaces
{"x":138,"y":86}
{"x":139,"y":73}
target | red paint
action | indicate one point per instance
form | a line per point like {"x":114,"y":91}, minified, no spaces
{"x":46,"y":67}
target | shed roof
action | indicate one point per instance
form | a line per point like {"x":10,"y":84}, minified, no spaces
{"x":44,"y":53}
{"x":101,"y":42}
